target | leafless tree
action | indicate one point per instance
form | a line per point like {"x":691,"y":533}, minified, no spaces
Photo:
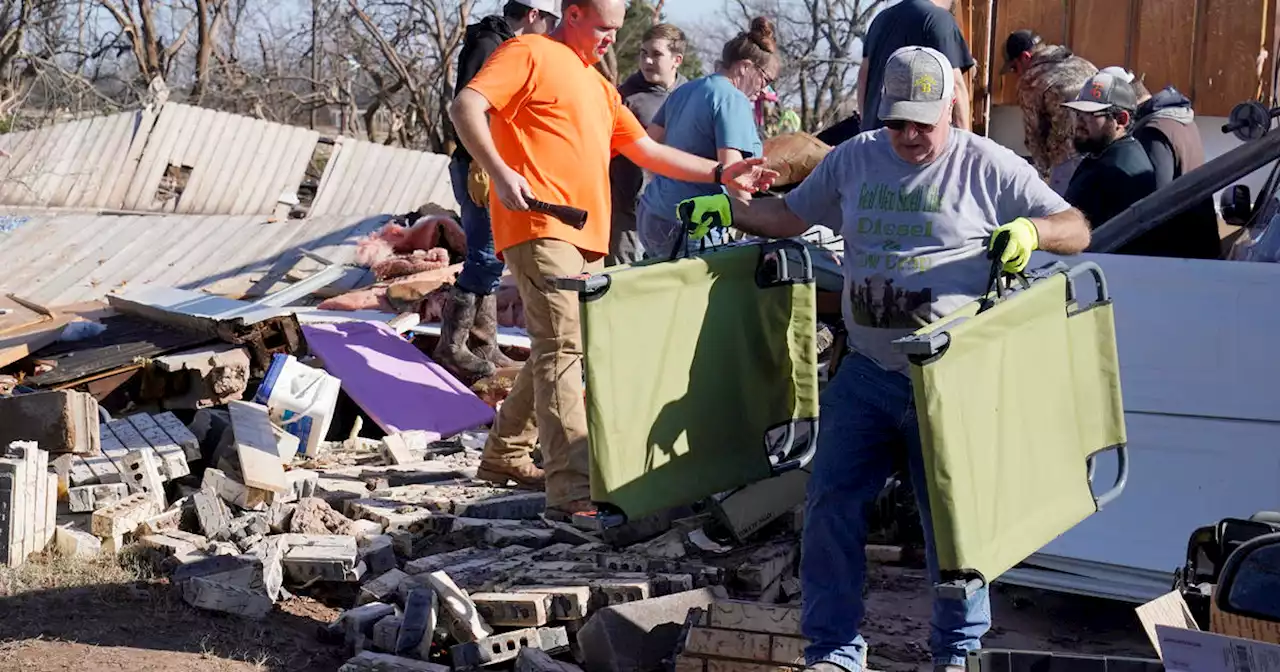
{"x":818,"y":43}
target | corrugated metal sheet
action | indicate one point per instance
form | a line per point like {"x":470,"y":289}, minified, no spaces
{"x":363,"y":177}
{"x":238,"y":165}
{"x":59,"y":259}
{"x":78,"y":164}
{"x":225,"y":164}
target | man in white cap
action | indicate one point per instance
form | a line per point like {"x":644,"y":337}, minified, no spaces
{"x":918,"y":203}
{"x":468,"y":345}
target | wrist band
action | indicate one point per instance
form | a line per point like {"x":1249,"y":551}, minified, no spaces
{"x":719,"y":174}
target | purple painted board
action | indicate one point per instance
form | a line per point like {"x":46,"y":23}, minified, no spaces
{"x":393,"y":381}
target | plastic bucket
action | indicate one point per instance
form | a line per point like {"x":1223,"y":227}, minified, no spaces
{"x":301,"y":400}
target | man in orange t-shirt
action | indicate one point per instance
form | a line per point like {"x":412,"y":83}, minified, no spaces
{"x":544,"y":123}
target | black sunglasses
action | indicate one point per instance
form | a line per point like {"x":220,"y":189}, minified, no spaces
{"x":899,"y":125}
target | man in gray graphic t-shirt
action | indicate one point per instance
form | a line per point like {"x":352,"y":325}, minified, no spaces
{"x":918,"y":203}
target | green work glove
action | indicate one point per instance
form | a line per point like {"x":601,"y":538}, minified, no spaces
{"x":1023,"y":240}
{"x":700,"y":213}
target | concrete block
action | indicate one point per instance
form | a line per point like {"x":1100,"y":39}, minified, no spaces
{"x":179,"y":434}
{"x":764,"y":568}
{"x":362,"y":619}
{"x":257,"y":448}
{"x":714,"y":644}
{"x":396,"y":450}
{"x":213,"y":376}
{"x":369,"y":661}
{"x":207,"y":593}
{"x":377,"y":553}
{"x":142,"y":474}
{"x":315,"y":516}
{"x":568,"y":603}
{"x":386,"y":632}
{"x":531,"y":537}
{"x":170,"y":545}
{"x":524,"y":506}
{"x":521,"y":610}
{"x":323,"y":558}
{"x":72,"y":471}
{"x":506,"y":646}
{"x":73,"y":543}
{"x":170,"y":520}
{"x":235,"y":492}
{"x":279,"y":514}
{"x":750,"y":508}
{"x":755,"y":617}
{"x":471,"y":627}
{"x":252,"y":524}
{"x":132,"y":441}
{"x":173,"y":461}
{"x":89,"y":498}
{"x":383,"y":588}
{"x":367,"y":528}
{"x":537,"y":660}
{"x":394,"y":516}
{"x":124,"y":516}
{"x":419,"y":622}
{"x":635,"y":637}
{"x":302,"y":483}
{"x":59,"y":422}
{"x":102,"y":467}
{"x":212,"y":514}
{"x":440,"y":561}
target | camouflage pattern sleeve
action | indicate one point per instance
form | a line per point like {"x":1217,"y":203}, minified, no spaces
{"x":1059,"y":125}
{"x":1031,"y":101}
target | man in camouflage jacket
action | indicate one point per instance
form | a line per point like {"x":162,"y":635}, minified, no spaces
{"x":1048,"y":76}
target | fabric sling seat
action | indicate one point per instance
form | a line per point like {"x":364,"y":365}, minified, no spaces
{"x":1016,"y":393}
{"x":701,"y":374}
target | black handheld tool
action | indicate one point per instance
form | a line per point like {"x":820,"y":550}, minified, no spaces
{"x":569,"y":215}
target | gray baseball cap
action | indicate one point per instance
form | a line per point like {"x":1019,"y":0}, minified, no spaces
{"x":1104,"y":91}
{"x":918,"y":86}
{"x":551,"y":7}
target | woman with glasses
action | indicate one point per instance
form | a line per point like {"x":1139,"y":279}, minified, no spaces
{"x":712,"y":117}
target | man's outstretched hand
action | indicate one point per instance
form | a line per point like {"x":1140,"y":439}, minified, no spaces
{"x":749,"y":175}
{"x":700,"y":213}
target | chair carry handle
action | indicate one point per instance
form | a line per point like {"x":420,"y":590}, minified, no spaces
{"x":1122,"y":477}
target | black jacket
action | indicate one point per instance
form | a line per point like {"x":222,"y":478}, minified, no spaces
{"x":1105,"y":185}
{"x":482,"y":39}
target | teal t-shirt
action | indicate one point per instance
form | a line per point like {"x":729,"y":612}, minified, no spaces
{"x":701,"y":117}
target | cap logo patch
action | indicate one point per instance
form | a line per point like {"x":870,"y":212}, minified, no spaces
{"x":924,"y":85}
{"x":1095,"y":91}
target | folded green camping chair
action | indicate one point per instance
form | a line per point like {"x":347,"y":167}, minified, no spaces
{"x":701,"y":374}
{"x":1016,"y":393}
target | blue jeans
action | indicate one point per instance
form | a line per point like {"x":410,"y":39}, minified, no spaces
{"x":658,"y":234}
{"x":867,"y":413}
{"x":481,"y":270}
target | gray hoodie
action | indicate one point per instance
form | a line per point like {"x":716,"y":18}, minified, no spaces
{"x":626,"y":178}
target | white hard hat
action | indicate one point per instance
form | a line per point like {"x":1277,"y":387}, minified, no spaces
{"x":551,"y":7}
{"x":1119,"y":73}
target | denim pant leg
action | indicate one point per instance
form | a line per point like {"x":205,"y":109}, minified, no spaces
{"x":856,"y":439}
{"x":481,"y":270}
{"x":958,"y":625}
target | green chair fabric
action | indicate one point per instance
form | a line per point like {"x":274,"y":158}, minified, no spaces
{"x":701,"y":374}
{"x":1015,"y":397}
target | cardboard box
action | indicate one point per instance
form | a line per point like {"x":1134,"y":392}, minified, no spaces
{"x":1185,"y":648}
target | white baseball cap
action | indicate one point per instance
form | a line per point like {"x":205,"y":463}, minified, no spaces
{"x":551,"y":7}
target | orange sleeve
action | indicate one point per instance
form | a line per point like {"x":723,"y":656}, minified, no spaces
{"x":506,"y":80}
{"x":626,"y":128}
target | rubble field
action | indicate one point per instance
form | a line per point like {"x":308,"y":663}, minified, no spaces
{"x":388,"y":555}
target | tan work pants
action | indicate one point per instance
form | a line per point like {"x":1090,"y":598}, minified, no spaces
{"x":548,"y":389}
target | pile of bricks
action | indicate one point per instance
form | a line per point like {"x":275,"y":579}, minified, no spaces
{"x":447,"y":573}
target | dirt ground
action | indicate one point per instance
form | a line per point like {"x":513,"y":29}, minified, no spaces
{"x":56,"y":615}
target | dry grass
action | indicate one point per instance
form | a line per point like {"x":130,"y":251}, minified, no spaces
{"x":52,"y":571}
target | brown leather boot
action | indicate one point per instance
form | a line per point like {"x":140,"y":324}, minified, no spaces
{"x":452,"y":352}
{"x":525,"y":474}
{"x":484,"y":333}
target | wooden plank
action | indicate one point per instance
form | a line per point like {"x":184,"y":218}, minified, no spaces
{"x":1049,"y":19}
{"x":1231,"y":36}
{"x":1100,"y":31}
{"x":1162,"y":39}
{"x":256,"y":447}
